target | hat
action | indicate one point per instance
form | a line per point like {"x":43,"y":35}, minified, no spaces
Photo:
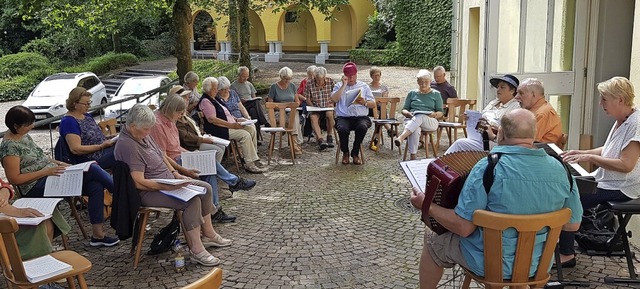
{"x":508,"y":78}
{"x":179,"y":91}
{"x":350,"y":69}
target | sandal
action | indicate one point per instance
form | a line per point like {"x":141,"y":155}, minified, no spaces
{"x":357,"y":161}
{"x":218,"y":241}
{"x":345,"y":159}
{"x":205,"y":258}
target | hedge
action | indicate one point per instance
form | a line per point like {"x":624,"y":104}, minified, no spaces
{"x":372,"y":56}
{"x":23,"y":63}
{"x":105,"y":63}
{"x":206,"y":68}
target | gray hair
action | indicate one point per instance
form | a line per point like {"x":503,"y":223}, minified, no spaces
{"x":208,"y":82}
{"x":424,"y":74}
{"x":439,"y":68}
{"x":191,"y":77}
{"x":320,"y":72}
{"x":532,"y":85}
{"x":140,"y":115}
{"x":285,"y":72}
{"x":223,"y":83}
{"x":373,"y":70}
{"x":242,"y":68}
{"x":311,"y":69}
{"x":173,"y":103}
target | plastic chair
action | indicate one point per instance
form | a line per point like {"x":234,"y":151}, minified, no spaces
{"x":384,"y":117}
{"x":281,"y":126}
{"x":455,"y":119}
{"x":13,"y":269}
{"x":212,"y":280}
{"x":527,"y":226}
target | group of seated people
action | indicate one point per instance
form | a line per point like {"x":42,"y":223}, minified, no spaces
{"x":527,"y":180}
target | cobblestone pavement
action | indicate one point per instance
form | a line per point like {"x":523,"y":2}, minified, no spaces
{"x":314,"y":224}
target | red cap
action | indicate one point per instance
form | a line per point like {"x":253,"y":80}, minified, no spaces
{"x":350,"y":69}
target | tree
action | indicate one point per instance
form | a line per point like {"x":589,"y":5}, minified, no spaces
{"x":181,"y":19}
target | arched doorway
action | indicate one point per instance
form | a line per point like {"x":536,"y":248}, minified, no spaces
{"x":204,"y":33}
{"x":299,"y":32}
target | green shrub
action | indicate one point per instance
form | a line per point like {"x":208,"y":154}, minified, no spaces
{"x":375,"y":37}
{"x":43,"y":46}
{"x":103,"y":64}
{"x":23,"y":63}
{"x":206,"y":68}
{"x":372,"y":56}
{"x":19,"y":87}
{"x":132,"y":45}
{"x":161,"y":46}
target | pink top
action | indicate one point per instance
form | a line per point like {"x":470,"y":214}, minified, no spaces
{"x":208,"y":109}
{"x":165,"y":134}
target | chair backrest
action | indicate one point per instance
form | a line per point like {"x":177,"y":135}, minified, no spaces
{"x":282,"y":120}
{"x":108,"y":126}
{"x":213,"y":280}
{"x":457,"y":107}
{"x":9,"y":253}
{"x":527,"y":226}
{"x":386,"y":112}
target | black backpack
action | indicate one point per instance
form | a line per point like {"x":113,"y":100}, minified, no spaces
{"x":164,"y":240}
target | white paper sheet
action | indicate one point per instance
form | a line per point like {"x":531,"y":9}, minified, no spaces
{"x":203,"y":161}
{"x":472,"y":122}
{"x":186,"y":193}
{"x":44,"y":267}
{"x":416,"y":172}
{"x":68,"y":184}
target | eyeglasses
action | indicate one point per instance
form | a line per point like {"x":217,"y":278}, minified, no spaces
{"x":87,"y":104}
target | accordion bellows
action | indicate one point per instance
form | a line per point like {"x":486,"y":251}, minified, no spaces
{"x":445,"y":178}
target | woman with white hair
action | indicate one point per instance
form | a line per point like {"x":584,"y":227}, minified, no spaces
{"x":146,"y":161}
{"x":285,"y":91}
{"x":422,"y":108}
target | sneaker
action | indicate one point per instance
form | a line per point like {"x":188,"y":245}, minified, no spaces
{"x":221,"y":217}
{"x":205,"y":258}
{"x":322,"y":145}
{"x":242,"y":185}
{"x":252,"y":168}
{"x":330,"y":141}
{"x":218,"y":241}
{"x":106,"y":242}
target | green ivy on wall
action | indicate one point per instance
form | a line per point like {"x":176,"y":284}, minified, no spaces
{"x":423,"y":31}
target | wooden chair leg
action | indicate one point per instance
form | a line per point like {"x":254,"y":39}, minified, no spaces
{"x":74,"y":213}
{"x":65,"y":241}
{"x":337,"y":140}
{"x":362,"y":154}
{"x":70,"y":282}
{"x":272,"y":143}
{"x":433,"y":146}
{"x":138,"y":248}
{"x":467,"y":282}
{"x":235,"y":156}
{"x":82,"y":282}
{"x":291,"y":147}
{"x":406,"y":148}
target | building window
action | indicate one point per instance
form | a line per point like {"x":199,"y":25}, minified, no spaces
{"x":290,"y":17}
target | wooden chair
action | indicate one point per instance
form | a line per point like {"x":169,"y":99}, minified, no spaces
{"x":212,"y":280}
{"x":140,"y":229}
{"x":423,"y":138}
{"x":108,"y":127}
{"x":455,"y":119}
{"x":234,"y":151}
{"x":383,"y":117}
{"x":337,"y":138}
{"x":281,"y":126}
{"x":527,"y":226}
{"x":13,"y":269}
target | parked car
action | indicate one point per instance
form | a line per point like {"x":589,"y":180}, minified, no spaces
{"x":133,"y":86}
{"x":48,"y":98}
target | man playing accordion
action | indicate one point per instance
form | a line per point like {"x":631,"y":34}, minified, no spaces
{"x":526,"y":181}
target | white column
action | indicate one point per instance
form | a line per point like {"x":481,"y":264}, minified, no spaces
{"x":279,"y":48}
{"x":272,"y":56}
{"x":324,"y":52}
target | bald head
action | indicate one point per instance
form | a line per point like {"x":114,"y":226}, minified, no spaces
{"x":517,"y":125}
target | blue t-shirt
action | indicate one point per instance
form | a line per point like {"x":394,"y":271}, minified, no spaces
{"x":233,"y":104}
{"x":345,"y":106}
{"x":526,"y":181}
{"x":88,"y":131}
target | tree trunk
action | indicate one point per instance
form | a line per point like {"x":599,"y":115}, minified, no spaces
{"x":117,"y":44}
{"x":245,"y":30}
{"x":181,"y":20}
{"x":233,"y":28}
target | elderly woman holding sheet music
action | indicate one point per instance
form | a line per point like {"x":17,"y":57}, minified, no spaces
{"x":27,"y":167}
{"x":166,"y":135}
{"x":33,"y":241}
{"x":422,"y":108}
{"x":146,"y":162}
{"x":618,"y":173}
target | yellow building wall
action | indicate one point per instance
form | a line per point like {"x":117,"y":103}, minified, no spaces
{"x":342,"y":33}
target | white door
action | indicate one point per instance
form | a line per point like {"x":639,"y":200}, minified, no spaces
{"x":544,"y":39}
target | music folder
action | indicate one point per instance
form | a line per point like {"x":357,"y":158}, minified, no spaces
{"x":586,"y":184}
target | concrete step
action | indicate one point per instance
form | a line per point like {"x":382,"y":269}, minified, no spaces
{"x":149,"y":72}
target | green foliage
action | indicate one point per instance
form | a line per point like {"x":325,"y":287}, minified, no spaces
{"x":103,"y":64}
{"x":207,"y":68}
{"x":13,"y":65}
{"x":20,"y":73}
{"x":423,"y":30}
{"x":161,"y":46}
{"x":381,"y":57}
{"x":375,"y":37}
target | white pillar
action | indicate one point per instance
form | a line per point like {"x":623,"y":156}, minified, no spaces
{"x":223,"y":54}
{"x":279,"y":48}
{"x":272,"y":55}
{"x":324,"y":52}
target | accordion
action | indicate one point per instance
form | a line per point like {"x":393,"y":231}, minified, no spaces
{"x":445,"y":178}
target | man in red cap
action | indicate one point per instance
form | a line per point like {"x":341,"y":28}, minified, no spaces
{"x":353,"y":99}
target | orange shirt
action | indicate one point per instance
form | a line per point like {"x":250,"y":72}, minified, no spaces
{"x":549,"y":127}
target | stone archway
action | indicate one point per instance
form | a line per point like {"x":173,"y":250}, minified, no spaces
{"x":204,"y":33}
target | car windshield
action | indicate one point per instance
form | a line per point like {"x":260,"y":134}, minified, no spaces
{"x":56,"y":87}
{"x":137,"y":86}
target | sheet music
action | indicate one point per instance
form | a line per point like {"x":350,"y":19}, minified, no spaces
{"x":352,"y":95}
{"x":416,"y":172}
{"x":203,"y":161}
{"x":472,"y":122}
{"x":44,"y":267}
{"x":315,"y":108}
{"x":249,"y":122}
{"x":81,"y":166}
{"x":218,"y":140}
{"x":43,"y":205}
{"x":186,"y":193}
{"x":68,"y":184}
{"x":172,"y":181}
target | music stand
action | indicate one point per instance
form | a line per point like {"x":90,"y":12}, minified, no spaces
{"x":561,"y":283}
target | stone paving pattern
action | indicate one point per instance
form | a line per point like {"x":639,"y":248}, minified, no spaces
{"x":310,"y":225}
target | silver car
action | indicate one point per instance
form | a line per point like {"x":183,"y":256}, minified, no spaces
{"x":48,"y":98}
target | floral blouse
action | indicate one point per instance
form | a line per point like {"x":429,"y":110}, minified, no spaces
{"x":32,"y":157}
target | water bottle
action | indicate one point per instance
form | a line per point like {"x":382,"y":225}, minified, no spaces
{"x":179,"y":257}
